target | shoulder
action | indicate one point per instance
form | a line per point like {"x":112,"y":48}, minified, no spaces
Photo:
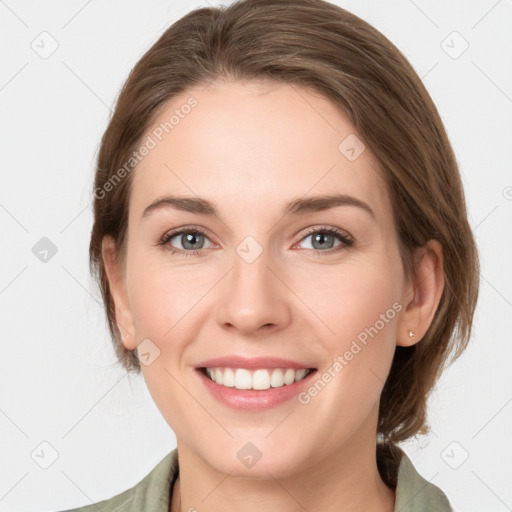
{"x":120,"y":502}
{"x":152,"y":493}
{"x":415,"y":493}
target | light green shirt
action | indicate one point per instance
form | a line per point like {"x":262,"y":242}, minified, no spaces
{"x":153,"y":492}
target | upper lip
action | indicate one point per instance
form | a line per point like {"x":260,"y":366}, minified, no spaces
{"x":252,"y":362}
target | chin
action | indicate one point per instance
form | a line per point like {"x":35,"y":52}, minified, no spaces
{"x":247,"y":461}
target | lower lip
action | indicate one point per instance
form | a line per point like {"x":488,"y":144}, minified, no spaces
{"x":255,"y":400}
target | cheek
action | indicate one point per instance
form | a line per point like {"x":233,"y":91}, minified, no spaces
{"x":165,"y":304}
{"x":162,"y":297}
{"x":347,"y":299}
{"x":356,"y":309}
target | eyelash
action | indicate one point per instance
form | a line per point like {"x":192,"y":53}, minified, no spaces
{"x":347,"y":241}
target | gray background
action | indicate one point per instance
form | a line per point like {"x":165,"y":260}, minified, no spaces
{"x":60,"y":384}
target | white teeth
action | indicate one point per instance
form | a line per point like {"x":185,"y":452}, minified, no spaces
{"x":289,"y":376}
{"x":228,"y":378}
{"x":261,"y":379}
{"x":277,"y":378}
{"x":299,"y":374}
{"x":241,"y":378}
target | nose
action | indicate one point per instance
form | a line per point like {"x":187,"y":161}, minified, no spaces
{"x":254,"y":297}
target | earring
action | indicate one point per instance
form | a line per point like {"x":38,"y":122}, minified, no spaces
{"x":411,"y":334}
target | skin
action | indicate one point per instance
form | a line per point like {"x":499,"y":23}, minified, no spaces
{"x":252,"y":147}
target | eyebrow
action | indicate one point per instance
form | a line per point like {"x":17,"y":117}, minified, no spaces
{"x":296,"y":207}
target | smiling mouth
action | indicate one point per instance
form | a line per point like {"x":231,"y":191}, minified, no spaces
{"x":257,"y":379}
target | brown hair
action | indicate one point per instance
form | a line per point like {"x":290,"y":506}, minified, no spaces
{"x":319,"y":45}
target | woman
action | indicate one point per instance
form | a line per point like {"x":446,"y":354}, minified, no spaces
{"x":281,"y":240}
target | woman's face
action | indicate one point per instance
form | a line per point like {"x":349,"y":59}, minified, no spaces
{"x":262,"y":279}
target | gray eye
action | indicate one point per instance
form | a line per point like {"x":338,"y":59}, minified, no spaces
{"x":189,"y":240}
{"x":322,"y":240}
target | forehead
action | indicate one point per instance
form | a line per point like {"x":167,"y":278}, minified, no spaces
{"x":248,"y":144}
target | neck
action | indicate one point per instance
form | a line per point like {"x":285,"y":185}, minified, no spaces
{"x":349,"y":481}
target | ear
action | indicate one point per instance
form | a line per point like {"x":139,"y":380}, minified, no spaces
{"x":116,"y":280}
{"x":422,"y":294}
